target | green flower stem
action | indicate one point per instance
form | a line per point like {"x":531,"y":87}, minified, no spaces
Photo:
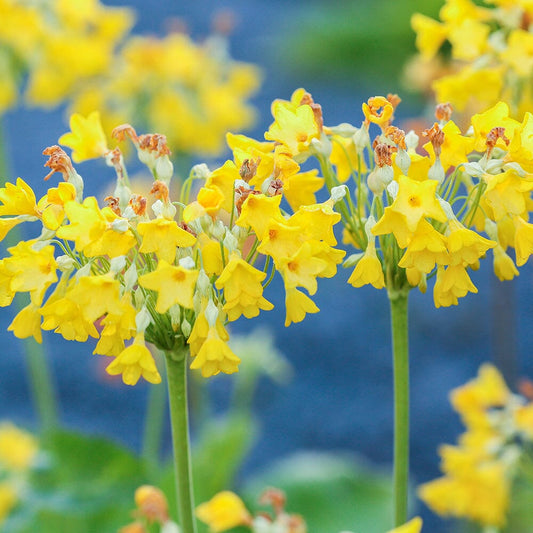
{"x":179,"y":420}
{"x":153,"y":424}
{"x":41,"y":384}
{"x":400,"y":349}
{"x":42,"y":388}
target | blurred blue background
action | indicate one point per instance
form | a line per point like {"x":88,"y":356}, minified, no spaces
{"x":340,"y":396}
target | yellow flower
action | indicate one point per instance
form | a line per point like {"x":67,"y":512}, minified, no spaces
{"x":504,"y":267}
{"x":345,"y":157}
{"x":8,"y":500}
{"x":294,"y":126}
{"x":18,"y":199}
{"x":464,"y":245}
{"x":258,"y":212}
{"x":430,"y":35}
{"x":18,"y":448}
{"x":485,"y":391}
{"x":368,"y":270}
{"x":224,"y":511}
{"x":451,"y":284}
{"x":87,"y":223}
{"x":519,"y":52}
{"x":454,"y":149}
{"x":413,"y":526}
{"x":162,"y":237}
{"x":52,"y":205}
{"x":301,"y":268}
{"x":30,"y":270}
{"x":482,"y":494}
{"x":174,"y":285}
{"x":215,"y":356}
{"x":86,"y":138}
{"x":468,"y":39}
{"x":496,"y":116}
{"x":242,"y":289}
{"x":297,"y":305}
{"x":426,"y":248}
{"x":299,"y":188}
{"x":117,"y":328}
{"x":523,"y":240}
{"x":135,"y":361}
{"x":27,"y":323}
{"x":209,"y":201}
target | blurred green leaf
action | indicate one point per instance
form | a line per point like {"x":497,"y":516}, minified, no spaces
{"x":84,"y":484}
{"x":332,"y":492}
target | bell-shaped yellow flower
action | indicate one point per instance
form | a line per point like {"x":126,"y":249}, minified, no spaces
{"x":368,"y":270}
{"x":297,"y":305}
{"x":18,"y":199}
{"x":86,"y":138}
{"x":135,"y":361}
{"x":242,"y":289}
{"x":215,"y":356}
{"x":27,"y":323}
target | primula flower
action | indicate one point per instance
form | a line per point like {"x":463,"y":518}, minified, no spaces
{"x":294,"y":126}
{"x":368,"y":270}
{"x":163,"y":236}
{"x":242,"y":289}
{"x":215,"y":356}
{"x":135,"y":361}
{"x":18,"y":199}
{"x":297,"y":305}
{"x":27,"y":323}
{"x":224,"y":511}
{"x":174,"y":285}
{"x":86,"y":138}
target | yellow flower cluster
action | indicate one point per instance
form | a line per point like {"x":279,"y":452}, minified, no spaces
{"x":174,"y":85}
{"x":479,"y":471}
{"x":491,"y":52}
{"x":153,"y":270}
{"x":416,"y":212}
{"x":18,"y":450}
{"x":58,"y":44}
{"x":82,"y":53}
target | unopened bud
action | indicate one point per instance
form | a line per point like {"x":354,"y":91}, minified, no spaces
{"x":143,"y":319}
{"x":186,"y":328}
{"x":211,"y":313}
{"x":436,"y":171}
{"x":200,"y":171}
{"x":338,"y":193}
{"x":164,"y":168}
{"x":65,"y":263}
{"x":130,"y":277}
{"x":120,"y":225}
{"x":411,"y":141}
{"x":117,"y":264}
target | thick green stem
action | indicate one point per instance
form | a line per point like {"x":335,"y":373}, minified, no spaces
{"x":153,"y":424}
{"x":179,"y":420}
{"x":42,"y":388}
{"x":400,"y":349}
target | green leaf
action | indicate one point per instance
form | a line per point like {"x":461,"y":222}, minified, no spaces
{"x":84,"y":484}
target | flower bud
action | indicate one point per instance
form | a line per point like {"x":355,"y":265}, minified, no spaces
{"x":65,"y":263}
{"x":118,"y":264}
{"x":200,"y":171}
{"x":143,"y":319}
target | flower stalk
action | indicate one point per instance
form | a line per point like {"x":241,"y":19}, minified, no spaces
{"x":176,"y":364}
{"x":400,"y":349}
{"x":41,"y":384}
